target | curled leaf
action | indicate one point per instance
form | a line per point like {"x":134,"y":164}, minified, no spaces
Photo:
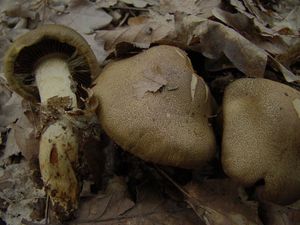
{"x":149,"y":32}
{"x":216,"y":39}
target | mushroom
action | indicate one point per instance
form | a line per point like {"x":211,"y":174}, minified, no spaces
{"x":52,"y":65}
{"x":154,"y":106}
{"x":261,"y":143}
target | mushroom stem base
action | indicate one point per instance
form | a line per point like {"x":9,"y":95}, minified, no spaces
{"x":58,"y":158}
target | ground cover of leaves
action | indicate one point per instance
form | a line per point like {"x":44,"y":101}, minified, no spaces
{"x":226,"y":40}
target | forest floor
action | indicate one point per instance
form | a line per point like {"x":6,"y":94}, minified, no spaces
{"x":225,"y":40}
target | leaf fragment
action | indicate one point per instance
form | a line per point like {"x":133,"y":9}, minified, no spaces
{"x":151,"y":81}
{"x":217,"y":39}
{"x":296,"y":104}
{"x":147,"y":33}
{"x":218,"y":202}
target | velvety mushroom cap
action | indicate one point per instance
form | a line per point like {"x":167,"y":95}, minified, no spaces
{"x":48,"y":40}
{"x":261,"y":139}
{"x":154,"y":106}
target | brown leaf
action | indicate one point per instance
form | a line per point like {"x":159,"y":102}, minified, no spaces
{"x":151,"y":208}
{"x":10,"y":107}
{"x":106,"y":206}
{"x":138,"y":20}
{"x":106,"y":3}
{"x":254,"y":31}
{"x":290,"y":24}
{"x":152,"y":81}
{"x":24,"y":135}
{"x":201,"y":8}
{"x":280,"y":215}
{"x":288,"y":75}
{"x":152,"y":31}
{"x":216,"y":39}
{"x":136,"y":3}
{"x":83,"y":17}
{"x":21,"y":8}
{"x":218,"y":202}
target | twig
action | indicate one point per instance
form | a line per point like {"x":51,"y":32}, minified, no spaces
{"x":129,"y":8}
{"x":47,"y":210}
{"x":199,"y":207}
{"x":172,"y":181}
{"x":124,"y":19}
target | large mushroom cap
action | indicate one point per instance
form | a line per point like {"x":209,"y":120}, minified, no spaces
{"x":261,"y":139}
{"x":154,"y":106}
{"x":23,"y":55}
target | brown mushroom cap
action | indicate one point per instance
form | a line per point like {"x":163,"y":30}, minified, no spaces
{"x":261,"y":139}
{"x":23,"y":55}
{"x":154,"y":106}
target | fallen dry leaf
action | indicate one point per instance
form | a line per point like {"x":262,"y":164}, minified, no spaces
{"x":106,"y":3}
{"x":288,"y":75}
{"x":136,"y":3}
{"x":256,"y":9}
{"x":151,"y":208}
{"x":194,"y":82}
{"x":290,"y":24}
{"x":20,"y":193}
{"x":151,"y":81}
{"x":216,"y":39}
{"x":272,"y":214}
{"x":257,"y":33}
{"x":4,"y":44}
{"x":25,"y":138}
{"x":296,"y":104}
{"x":112,"y":204}
{"x":19,"y":8}
{"x":11,"y":148}
{"x":83,"y":16}
{"x":11,"y":110}
{"x":218,"y":202}
{"x":152,"y":31}
{"x":201,"y":8}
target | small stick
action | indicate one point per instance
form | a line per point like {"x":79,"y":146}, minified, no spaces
{"x":172,"y":181}
{"x":47,"y":210}
{"x":130,"y":8}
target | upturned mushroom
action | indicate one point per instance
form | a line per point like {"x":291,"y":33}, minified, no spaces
{"x":261,"y":144}
{"x":52,"y":65}
{"x":154,"y":106}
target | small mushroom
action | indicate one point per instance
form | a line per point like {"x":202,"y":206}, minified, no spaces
{"x":154,"y":106}
{"x":261,"y":142}
{"x":52,"y":65}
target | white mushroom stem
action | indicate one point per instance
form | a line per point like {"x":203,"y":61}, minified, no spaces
{"x":53,"y":78}
{"x":59,"y":143}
